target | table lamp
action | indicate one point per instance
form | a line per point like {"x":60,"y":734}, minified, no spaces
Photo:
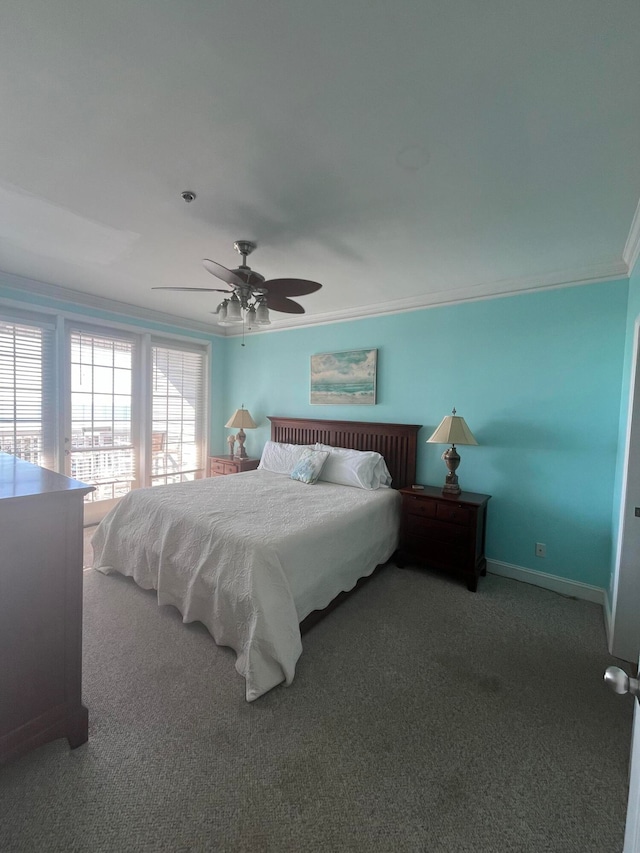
{"x":241,"y":420}
{"x":452,"y":430}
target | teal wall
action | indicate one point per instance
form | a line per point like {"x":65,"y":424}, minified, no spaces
{"x":633,"y":312}
{"x":537,"y":377}
{"x":541,"y":379}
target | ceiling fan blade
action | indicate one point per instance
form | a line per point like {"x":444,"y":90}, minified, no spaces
{"x":281,"y":303}
{"x":291,"y":286}
{"x":221,"y":272}
{"x":195,"y":289}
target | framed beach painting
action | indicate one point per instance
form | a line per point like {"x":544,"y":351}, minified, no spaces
{"x":339,"y":378}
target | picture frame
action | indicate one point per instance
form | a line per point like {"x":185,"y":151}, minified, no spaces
{"x":347,"y":377}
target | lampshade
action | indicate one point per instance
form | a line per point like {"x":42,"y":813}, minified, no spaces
{"x":262,"y":314}
{"x":241,"y":419}
{"x":452,"y":430}
{"x":238,"y":310}
{"x":234,"y":314}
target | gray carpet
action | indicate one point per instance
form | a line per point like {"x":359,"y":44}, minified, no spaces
{"x":422,"y":718}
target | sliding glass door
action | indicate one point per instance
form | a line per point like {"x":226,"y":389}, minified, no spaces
{"x":101,"y":440}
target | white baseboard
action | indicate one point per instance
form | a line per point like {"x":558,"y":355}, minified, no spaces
{"x":572,"y":589}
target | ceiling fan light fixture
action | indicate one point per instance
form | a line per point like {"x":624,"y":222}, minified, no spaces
{"x":234,"y":310}
{"x":222,"y":314}
{"x":250,"y":316}
{"x":262,"y":315}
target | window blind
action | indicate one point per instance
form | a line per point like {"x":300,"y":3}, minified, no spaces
{"x":27,"y":389}
{"x":178,"y":415}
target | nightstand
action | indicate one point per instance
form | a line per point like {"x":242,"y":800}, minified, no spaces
{"x":221,"y":465}
{"x":444,"y":531}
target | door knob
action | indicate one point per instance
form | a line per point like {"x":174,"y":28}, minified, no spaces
{"x":619,"y":681}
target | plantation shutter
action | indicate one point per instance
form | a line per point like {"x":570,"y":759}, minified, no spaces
{"x":28,"y":388}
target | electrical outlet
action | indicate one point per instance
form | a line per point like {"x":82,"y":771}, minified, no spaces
{"x":541,"y":549}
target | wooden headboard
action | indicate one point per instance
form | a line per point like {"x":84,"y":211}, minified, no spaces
{"x":396,"y":442}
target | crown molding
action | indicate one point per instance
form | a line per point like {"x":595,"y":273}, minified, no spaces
{"x":486,"y":290}
{"x":102,"y":303}
{"x":631,"y":250}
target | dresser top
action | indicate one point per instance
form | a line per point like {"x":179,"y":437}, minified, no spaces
{"x":19,"y":479}
{"x":436,"y":492}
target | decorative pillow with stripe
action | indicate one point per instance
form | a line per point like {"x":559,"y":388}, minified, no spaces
{"x":309,"y":466}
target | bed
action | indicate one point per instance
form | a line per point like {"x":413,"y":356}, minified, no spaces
{"x":258,"y":557}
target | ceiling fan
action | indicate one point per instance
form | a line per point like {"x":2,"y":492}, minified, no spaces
{"x":250,"y":293}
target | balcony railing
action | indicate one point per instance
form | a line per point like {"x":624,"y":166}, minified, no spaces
{"x":97,"y":457}
{"x":26,"y":445}
{"x":106,"y":459}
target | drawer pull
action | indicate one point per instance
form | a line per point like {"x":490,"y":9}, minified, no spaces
{"x":433,"y":529}
{"x":454,"y":514}
{"x":417,"y":507}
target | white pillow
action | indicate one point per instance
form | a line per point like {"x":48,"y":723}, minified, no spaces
{"x":281,"y":458}
{"x":364,"y":469}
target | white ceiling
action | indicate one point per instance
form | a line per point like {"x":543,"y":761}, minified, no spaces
{"x":400,"y":152}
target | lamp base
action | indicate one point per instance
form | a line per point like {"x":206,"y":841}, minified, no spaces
{"x":451,"y":489}
{"x":452,"y":460}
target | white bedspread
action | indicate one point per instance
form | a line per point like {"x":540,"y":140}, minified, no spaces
{"x":249,"y":555}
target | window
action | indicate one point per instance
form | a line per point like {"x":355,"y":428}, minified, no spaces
{"x":27,"y":389}
{"x":178,"y":413}
{"x":114,"y":408}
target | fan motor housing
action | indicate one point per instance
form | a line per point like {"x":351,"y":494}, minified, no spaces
{"x":244,"y":247}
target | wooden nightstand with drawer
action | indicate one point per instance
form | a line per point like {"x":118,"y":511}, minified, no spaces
{"x":219,"y":466}
{"x":444,"y":531}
